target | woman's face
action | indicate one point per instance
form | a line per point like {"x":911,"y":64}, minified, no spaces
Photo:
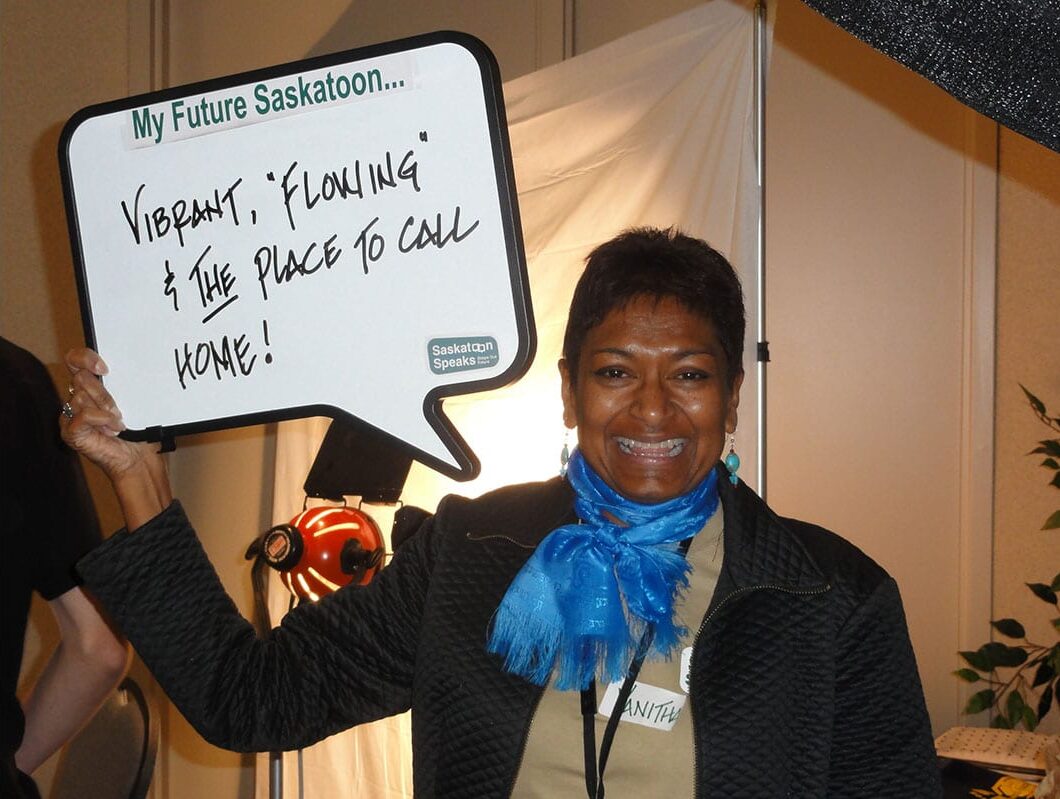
{"x":650,"y":399}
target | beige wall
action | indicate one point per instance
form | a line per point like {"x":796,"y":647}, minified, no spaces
{"x":870,"y":223}
{"x":524,"y":36}
{"x":1028,"y":352}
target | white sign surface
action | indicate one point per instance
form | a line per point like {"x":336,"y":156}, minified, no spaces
{"x":332,"y":237}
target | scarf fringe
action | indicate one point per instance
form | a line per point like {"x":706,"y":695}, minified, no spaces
{"x":535,"y":649}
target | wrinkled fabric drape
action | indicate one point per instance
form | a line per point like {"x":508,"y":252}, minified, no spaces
{"x":655,"y":128}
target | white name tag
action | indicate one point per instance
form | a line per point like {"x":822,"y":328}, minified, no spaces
{"x":686,"y":667}
{"x":648,"y":705}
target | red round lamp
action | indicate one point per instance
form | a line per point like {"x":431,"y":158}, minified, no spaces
{"x":322,"y":549}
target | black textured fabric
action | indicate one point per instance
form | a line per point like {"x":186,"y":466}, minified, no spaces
{"x":803,"y":679}
{"x":1001,"y":57}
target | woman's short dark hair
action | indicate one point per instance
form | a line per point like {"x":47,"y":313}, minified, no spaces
{"x":649,"y":262}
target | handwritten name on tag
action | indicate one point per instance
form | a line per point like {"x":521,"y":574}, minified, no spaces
{"x":648,"y":705}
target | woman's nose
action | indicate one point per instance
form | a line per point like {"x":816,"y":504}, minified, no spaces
{"x":651,"y":402}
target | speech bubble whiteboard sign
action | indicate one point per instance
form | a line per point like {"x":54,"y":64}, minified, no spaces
{"x":337,"y":237}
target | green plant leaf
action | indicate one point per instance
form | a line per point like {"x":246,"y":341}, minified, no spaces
{"x":1030,"y":720}
{"x":1056,"y":624}
{"x":1055,"y":482}
{"x":968,"y":675}
{"x":1051,"y":463}
{"x":1056,"y":583}
{"x":999,"y":722}
{"x":1052,"y":522}
{"x":1010,"y":628}
{"x":980,"y":701}
{"x":1044,"y":702}
{"x":1047,"y":446}
{"x":977,"y":661}
{"x":1037,"y":404}
{"x":1014,"y":705}
{"x":999,"y":654}
{"x":1043,"y":674}
{"x":1041,"y":590}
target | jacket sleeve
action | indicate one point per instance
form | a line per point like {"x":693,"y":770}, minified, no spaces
{"x":330,"y":665}
{"x":882,"y":744}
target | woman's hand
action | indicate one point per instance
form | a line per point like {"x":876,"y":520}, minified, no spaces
{"x":96,"y":421}
{"x":136,"y":470}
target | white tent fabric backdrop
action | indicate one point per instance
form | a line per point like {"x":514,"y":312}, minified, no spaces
{"x":655,"y":128}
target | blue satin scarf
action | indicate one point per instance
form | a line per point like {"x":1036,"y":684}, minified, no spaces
{"x":580,"y":605}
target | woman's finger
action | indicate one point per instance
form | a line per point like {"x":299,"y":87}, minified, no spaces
{"x":85,"y":421}
{"x":84,"y":359}
{"x":86,"y":389}
{"x":101,"y":413}
{"x":89,"y":391}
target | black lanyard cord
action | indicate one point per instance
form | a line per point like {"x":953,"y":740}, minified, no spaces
{"x":594,"y":775}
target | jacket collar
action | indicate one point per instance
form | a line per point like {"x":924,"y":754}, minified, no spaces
{"x":760,"y":547}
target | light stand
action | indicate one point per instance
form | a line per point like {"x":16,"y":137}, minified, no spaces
{"x":353,"y":460}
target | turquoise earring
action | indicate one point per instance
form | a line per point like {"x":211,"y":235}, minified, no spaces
{"x":564,"y":454}
{"x":732,"y":461}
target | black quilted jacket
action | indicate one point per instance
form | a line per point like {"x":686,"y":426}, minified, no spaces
{"x":803,"y":678}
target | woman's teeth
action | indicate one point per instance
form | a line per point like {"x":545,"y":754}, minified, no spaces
{"x":670,"y":448}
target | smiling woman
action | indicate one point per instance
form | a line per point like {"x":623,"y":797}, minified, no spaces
{"x":651,"y":364}
{"x":643,"y":600}
{"x":651,"y":400}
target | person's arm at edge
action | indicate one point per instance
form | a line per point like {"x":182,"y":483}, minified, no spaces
{"x":84,"y":668}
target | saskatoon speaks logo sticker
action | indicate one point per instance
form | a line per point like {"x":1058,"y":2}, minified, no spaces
{"x":448,"y":355}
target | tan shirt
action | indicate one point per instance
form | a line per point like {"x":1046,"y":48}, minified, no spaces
{"x":646,"y":758}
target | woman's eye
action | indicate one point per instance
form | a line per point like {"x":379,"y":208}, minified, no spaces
{"x":611,"y":372}
{"x":693,"y":374}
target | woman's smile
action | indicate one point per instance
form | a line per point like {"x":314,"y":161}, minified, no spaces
{"x":652,"y":450}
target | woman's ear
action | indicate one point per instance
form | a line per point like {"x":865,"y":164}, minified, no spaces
{"x":732,"y":416}
{"x":570,"y":413}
